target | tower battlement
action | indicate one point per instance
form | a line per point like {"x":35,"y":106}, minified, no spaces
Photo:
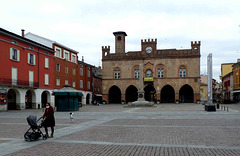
{"x":105,"y":47}
{"x":147,"y":41}
{"x":194,"y":43}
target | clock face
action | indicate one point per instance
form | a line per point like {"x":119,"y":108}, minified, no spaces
{"x":148,"y":50}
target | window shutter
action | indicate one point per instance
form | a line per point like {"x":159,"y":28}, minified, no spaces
{"x":34,"y":60}
{"x":28,"y":59}
{"x":10,"y":53}
{"x":18,"y":55}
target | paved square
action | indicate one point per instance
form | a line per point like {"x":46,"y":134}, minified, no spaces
{"x":114,"y":130}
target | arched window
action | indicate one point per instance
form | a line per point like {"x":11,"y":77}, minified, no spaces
{"x":119,"y":38}
{"x":136,"y":73}
{"x":117,"y":73}
{"x":182,"y":72}
{"x":160,"y":72}
{"x":149,"y":73}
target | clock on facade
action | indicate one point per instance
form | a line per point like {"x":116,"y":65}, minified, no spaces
{"x":148,"y":50}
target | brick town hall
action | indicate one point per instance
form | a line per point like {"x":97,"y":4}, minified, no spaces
{"x":170,"y":75}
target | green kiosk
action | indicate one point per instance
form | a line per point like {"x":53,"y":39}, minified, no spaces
{"x":67,"y":98}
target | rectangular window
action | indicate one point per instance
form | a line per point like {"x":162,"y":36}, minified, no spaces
{"x":180,"y":73}
{"x":88,"y":73}
{"x":31,"y":78}
{"x":66,"y":81}
{"x":136,"y":73}
{"x":66,"y":55}
{"x":66,"y":69}
{"x":14,"y":76}
{"x":74,"y":71}
{"x":14,"y":54}
{"x":31,"y":59}
{"x":81,"y":83}
{"x":58,"y":81}
{"x":88,"y":85}
{"x":184,"y":72}
{"x":58,"y":52}
{"x":73,"y":84}
{"x":117,"y":74}
{"x":74,"y":58}
{"x":160,"y":73}
{"x":46,"y":62}
{"x":81,"y":71}
{"x":58,"y":67}
{"x":46,"y":79}
{"x":14,"y":42}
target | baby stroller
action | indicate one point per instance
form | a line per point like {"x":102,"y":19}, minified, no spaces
{"x":34,"y":132}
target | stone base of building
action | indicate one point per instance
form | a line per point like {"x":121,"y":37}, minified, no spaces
{"x":3,"y":107}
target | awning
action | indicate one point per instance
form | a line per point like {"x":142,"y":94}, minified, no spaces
{"x":67,"y":90}
{"x":236,"y":91}
{"x":60,"y":93}
{"x":98,"y":94}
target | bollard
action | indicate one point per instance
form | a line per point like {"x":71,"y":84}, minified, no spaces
{"x":224,"y":108}
{"x":227,"y":108}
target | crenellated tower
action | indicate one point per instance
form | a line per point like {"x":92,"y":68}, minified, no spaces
{"x":196,"y":46}
{"x":149,"y":47}
{"x":105,"y":51}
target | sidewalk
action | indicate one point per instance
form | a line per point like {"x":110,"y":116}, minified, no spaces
{"x":167,"y":129}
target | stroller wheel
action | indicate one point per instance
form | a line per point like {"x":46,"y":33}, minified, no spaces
{"x":44,"y":137}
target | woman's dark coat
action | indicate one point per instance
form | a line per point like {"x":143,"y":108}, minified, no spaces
{"x":49,"y":117}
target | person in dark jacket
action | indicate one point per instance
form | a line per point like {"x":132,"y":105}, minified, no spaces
{"x":49,"y":120}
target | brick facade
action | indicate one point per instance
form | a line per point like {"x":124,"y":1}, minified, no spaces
{"x":170,"y":60}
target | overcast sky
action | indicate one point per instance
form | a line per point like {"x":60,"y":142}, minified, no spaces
{"x":86,"y":25}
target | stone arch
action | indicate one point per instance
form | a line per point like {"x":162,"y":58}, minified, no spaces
{"x":13,"y":97}
{"x":150,"y":92}
{"x":114,"y":94}
{"x":131,"y":94}
{"x":45,"y":98}
{"x":167,"y":94}
{"x":88,"y":98}
{"x":186,"y":94}
{"x":30,"y":99}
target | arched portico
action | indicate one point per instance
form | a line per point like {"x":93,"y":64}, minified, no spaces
{"x":186,"y":94}
{"x":114,"y":95}
{"x":167,"y":94}
{"x":149,"y":93}
{"x":131,"y":94}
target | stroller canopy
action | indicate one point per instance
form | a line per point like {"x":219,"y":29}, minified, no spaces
{"x":32,"y":120}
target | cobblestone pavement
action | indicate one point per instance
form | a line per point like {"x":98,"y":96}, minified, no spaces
{"x":115,"y":130}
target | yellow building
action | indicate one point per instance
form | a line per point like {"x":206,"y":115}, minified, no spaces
{"x":203,"y":88}
{"x":203,"y":92}
{"x":226,"y":68}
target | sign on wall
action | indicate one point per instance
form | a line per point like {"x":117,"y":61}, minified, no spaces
{"x":3,"y":96}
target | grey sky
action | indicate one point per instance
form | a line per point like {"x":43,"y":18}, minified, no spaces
{"x":86,"y":25}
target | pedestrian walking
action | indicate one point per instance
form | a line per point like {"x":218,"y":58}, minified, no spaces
{"x":71,"y":117}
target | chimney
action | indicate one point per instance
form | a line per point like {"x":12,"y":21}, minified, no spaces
{"x":82,"y":58}
{"x":23,"y":32}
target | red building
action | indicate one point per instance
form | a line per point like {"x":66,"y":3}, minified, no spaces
{"x":68,"y":70}
{"x":26,"y":73}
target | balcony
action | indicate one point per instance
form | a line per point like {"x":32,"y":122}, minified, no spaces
{"x":19,"y":83}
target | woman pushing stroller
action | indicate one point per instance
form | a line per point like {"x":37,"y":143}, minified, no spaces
{"x":49,"y":120}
